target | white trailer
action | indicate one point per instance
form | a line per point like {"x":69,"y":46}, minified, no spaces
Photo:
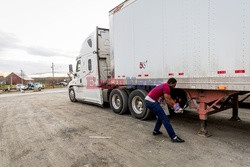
{"x":204,"y":44}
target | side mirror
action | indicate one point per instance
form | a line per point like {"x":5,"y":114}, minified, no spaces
{"x":70,"y":68}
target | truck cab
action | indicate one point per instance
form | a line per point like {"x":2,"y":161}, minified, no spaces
{"x":92,"y":68}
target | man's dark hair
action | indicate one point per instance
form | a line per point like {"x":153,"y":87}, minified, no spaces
{"x":172,"y":81}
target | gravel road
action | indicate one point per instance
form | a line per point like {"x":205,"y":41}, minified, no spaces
{"x":46,"y":129}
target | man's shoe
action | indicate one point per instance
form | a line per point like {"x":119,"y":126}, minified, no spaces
{"x":176,"y":139}
{"x":157,"y":133}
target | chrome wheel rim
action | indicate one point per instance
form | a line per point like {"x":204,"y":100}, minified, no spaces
{"x":137,"y":105}
{"x":116,"y":101}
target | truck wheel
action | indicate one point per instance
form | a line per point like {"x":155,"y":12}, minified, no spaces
{"x":137,"y":105}
{"x":118,"y":101}
{"x":72,"y":95}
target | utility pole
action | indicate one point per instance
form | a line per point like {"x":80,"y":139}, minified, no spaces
{"x":53,"y":72}
{"x":22,"y":76}
{"x":11,"y":81}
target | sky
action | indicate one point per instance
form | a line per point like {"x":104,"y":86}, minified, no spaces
{"x":35,"y":33}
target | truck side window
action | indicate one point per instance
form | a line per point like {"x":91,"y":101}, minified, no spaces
{"x":89,"y":64}
{"x":90,"y":42}
{"x":78,"y":66}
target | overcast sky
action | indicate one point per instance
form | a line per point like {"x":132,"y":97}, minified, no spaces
{"x":35,"y":33}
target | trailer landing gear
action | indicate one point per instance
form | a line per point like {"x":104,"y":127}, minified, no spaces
{"x":235,"y":116}
{"x":203,"y":129}
{"x":210,"y":102}
{"x":235,"y":104}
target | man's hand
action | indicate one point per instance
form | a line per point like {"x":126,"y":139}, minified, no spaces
{"x":177,"y":108}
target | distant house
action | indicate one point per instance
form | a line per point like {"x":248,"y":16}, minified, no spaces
{"x":18,"y":78}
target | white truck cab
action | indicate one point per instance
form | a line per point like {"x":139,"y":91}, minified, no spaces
{"x":92,"y":66}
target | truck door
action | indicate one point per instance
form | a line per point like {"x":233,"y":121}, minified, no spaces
{"x":91,"y":92}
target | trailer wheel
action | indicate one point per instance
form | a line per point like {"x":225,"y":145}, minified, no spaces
{"x":137,"y":105}
{"x":72,"y":95}
{"x":118,"y":101}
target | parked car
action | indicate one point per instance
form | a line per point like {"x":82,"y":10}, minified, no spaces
{"x":20,"y":87}
{"x":62,"y":83}
{"x":31,"y":86}
{"x":38,"y":86}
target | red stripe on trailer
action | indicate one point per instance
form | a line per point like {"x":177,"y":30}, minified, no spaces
{"x":171,"y":74}
{"x":222,"y":72}
{"x":139,"y":75}
{"x":181,"y":73}
{"x":240,"y":71}
{"x":146,"y":75}
{"x":119,"y":7}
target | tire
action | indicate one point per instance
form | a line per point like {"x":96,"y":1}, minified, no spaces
{"x":118,"y":100}
{"x":137,"y":106}
{"x":72,"y":95}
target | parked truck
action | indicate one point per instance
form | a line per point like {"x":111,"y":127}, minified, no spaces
{"x":205,"y":45}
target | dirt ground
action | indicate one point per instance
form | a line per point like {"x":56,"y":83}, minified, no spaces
{"x":46,"y":129}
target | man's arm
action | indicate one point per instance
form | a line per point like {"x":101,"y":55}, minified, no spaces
{"x":170,"y":102}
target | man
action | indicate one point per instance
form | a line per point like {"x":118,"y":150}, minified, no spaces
{"x":152,"y":103}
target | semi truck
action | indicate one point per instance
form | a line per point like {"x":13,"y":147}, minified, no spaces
{"x":205,"y":45}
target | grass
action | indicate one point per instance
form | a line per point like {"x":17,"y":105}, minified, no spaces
{"x":4,"y":87}
{"x":51,"y":87}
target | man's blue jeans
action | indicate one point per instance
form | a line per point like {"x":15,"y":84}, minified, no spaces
{"x":162,"y":118}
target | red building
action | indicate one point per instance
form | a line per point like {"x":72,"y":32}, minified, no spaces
{"x":17,"y":78}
